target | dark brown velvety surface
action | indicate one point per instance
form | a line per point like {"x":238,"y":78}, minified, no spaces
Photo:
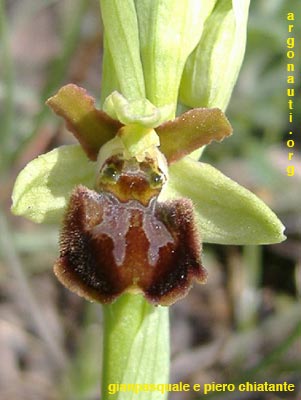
{"x":108,"y":247}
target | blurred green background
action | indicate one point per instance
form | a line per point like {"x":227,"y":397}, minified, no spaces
{"x":245,"y":324}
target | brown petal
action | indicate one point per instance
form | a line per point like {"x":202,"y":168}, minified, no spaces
{"x":91,"y":127}
{"x":192,"y":130}
{"x":108,"y":247}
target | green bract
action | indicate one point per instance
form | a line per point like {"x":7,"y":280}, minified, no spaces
{"x":180,"y":23}
{"x":122,"y":48}
{"x":146,"y":45}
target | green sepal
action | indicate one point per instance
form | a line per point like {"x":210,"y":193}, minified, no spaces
{"x":91,"y":127}
{"x":42,"y":188}
{"x":192,"y":130}
{"x":226,"y":212}
{"x":140,"y":111}
{"x":168,"y":31}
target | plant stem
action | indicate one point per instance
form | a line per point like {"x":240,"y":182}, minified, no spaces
{"x":136,"y":347}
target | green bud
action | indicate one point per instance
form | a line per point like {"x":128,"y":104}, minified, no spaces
{"x":211,"y":70}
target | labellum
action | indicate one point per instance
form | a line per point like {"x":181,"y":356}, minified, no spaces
{"x":118,"y":238}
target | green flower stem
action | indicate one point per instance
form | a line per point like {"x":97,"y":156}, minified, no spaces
{"x":136,"y":347}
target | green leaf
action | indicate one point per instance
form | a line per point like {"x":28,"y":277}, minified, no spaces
{"x":136,"y":347}
{"x":192,"y":130}
{"x":91,"y":127}
{"x":207,"y":79}
{"x":226,"y":212}
{"x":122,"y":41}
{"x":169,"y":30}
{"x":43,"y":187}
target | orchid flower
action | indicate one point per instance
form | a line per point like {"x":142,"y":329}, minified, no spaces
{"x":134,"y":203}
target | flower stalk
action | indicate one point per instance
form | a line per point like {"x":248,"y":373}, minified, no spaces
{"x":135,"y":346}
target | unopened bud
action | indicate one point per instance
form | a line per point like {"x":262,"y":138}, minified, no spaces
{"x":211,"y":70}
